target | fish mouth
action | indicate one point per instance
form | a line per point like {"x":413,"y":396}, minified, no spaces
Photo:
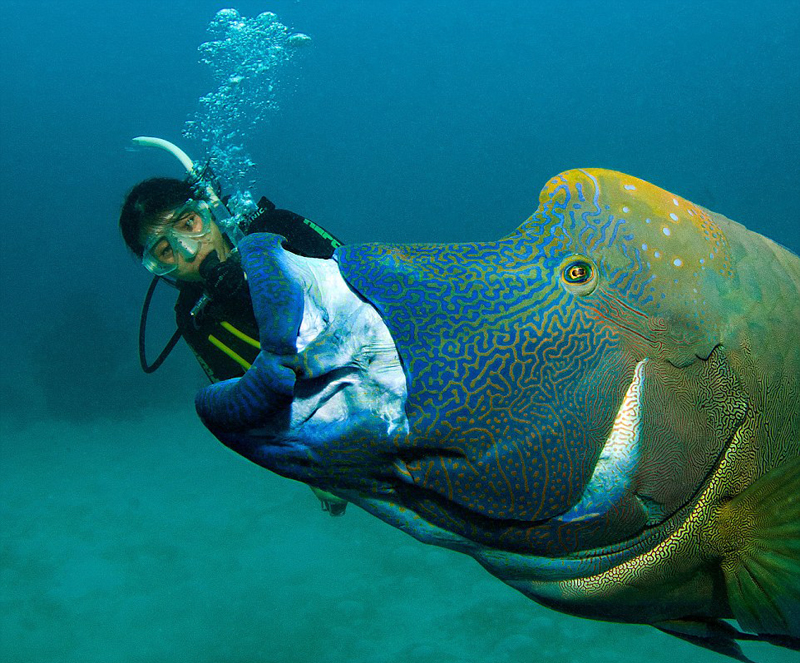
{"x":334,"y":425}
{"x":312,"y":396}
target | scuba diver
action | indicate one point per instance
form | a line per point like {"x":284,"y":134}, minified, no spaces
{"x":183,"y":233}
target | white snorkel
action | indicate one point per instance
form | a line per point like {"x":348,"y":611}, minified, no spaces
{"x":202,"y":181}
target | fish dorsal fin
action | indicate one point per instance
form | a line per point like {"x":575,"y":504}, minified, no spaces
{"x":757,"y":535}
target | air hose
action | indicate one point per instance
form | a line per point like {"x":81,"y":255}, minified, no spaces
{"x":151,"y":368}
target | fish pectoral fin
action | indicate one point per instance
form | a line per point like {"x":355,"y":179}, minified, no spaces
{"x":757,"y":535}
{"x":713,"y":634}
{"x":331,"y":503}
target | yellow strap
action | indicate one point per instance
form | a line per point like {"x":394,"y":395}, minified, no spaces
{"x":238,"y":359}
{"x":241,"y":335}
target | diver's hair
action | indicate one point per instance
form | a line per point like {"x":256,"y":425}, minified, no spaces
{"x":146,"y":202}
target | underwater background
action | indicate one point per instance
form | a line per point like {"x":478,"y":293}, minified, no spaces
{"x":128,"y":534}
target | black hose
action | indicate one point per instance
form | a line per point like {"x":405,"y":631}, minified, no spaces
{"x":151,"y":368}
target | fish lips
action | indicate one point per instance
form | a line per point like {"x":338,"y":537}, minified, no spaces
{"x":326,"y":394}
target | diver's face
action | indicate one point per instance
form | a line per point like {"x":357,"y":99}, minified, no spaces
{"x":187,"y":263}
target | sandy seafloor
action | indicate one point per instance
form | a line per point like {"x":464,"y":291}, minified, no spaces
{"x":129,"y":546}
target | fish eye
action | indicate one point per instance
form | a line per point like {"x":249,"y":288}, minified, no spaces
{"x":579,"y":275}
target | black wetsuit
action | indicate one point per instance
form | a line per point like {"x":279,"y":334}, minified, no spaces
{"x":212,"y":331}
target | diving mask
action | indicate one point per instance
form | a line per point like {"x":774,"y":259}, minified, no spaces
{"x":182,"y":233}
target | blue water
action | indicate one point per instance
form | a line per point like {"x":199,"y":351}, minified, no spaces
{"x":131,"y":535}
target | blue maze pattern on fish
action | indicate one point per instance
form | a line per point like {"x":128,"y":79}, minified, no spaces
{"x":497,"y":354}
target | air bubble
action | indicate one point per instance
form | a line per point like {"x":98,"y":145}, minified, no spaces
{"x":299,"y":40}
{"x":248,"y":59}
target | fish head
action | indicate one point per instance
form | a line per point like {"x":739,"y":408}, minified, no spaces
{"x":548,"y":395}
{"x":642,"y":247}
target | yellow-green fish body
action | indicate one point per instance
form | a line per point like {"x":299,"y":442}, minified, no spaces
{"x":603,"y":408}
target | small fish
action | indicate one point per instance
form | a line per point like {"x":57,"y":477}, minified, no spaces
{"x":602,"y":408}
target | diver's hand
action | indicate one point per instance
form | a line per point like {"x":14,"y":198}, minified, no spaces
{"x":224,"y":281}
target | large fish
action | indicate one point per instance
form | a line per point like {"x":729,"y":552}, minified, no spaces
{"x":602,"y":408}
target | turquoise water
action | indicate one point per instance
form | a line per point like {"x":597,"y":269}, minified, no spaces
{"x":129,"y":534}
